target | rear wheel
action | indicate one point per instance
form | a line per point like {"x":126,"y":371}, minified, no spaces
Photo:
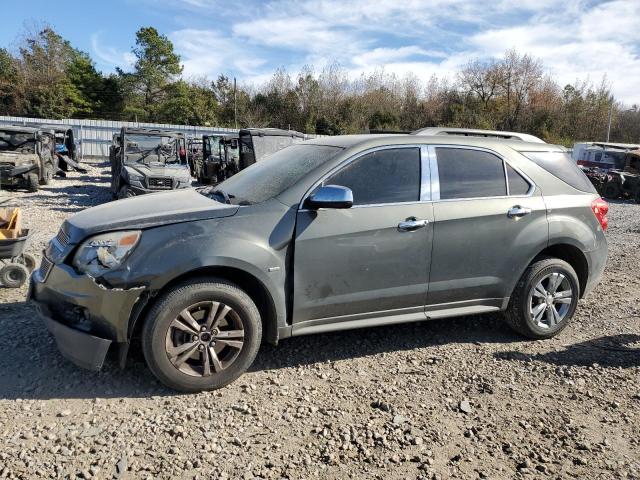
{"x":201,"y":335}
{"x":544,"y":300}
{"x":33,"y":183}
{"x":636,"y":195}
{"x":13,"y":275}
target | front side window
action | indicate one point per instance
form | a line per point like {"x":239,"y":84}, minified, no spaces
{"x":384,"y":176}
{"x":466,"y":173}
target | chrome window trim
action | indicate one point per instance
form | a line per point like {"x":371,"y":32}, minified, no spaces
{"x":425,"y":177}
{"x":435,"y":177}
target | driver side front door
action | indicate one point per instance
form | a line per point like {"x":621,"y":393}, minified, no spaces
{"x":368,"y":264}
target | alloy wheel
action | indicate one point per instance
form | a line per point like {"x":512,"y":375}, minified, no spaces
{"x":204,"y":339}
{"x":550,"y":300}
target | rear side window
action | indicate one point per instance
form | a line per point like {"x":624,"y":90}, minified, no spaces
{"x":466,"y":173}
{"x":517,"y":184}
{"x":384,"y":176}
{"x":561,"y":165}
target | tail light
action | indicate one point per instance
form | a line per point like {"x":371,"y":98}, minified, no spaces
{"x":600,"y":209}
{"x":182,"y":152}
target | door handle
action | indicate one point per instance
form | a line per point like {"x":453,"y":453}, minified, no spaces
{"x":411,"y":224}
{"x":518,"y":212}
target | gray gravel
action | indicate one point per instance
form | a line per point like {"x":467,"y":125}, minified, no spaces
{"x":456,"y":398}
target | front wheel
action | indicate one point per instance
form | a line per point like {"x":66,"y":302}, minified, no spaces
{"x":48,"y":173}
{"x":544,"y":300}
{"x":201,"y":335}
{"x":33,"y":182}
{"x":125,"y":192}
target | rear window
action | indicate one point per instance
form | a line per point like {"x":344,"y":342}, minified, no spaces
{"x":561,"y":165}
{"x":466,"y":173}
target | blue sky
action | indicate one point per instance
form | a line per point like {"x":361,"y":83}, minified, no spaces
{"x":575,"y":39}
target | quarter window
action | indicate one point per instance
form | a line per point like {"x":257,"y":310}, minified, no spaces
{"x":466,"y":173}
{"x":384,"y":176}
{"x":517,"y":184}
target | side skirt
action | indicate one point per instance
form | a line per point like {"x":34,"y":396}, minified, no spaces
{"x":376,"y":319}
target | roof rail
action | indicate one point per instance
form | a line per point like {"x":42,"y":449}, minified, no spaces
{"x":471,"y":132}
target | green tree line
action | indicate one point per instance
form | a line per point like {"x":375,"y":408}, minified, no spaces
{"x":47,"y":77}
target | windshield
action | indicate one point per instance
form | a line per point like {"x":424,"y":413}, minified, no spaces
{"x":20,"y":142}
{"x":142,"y":148}
{"x":274,"y":174}
{"x":213,"y":143}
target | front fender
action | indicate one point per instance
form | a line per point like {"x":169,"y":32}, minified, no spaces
{"x":245,"y":242}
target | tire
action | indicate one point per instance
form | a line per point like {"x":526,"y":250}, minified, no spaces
{"x":13,"y":275}
{"x":636,"y":195}
{"x":162,"y":333}
{"x":611,"y":190}
{"x":527,"y":299}
{"x":33,"y":183}
{"x":29,"y":261}
{"x":125,"y":192}
{"x":47,"y":175}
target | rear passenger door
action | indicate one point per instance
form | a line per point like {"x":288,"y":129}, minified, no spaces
{"x":489,"y":218}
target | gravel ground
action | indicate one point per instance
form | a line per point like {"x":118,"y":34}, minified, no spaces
{"x":455,"y":398}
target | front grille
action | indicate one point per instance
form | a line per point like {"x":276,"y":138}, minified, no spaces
{"x":6,"y":167}
{"x":45,"y":268}
{"x":160,"y":183}
{"x":62,"y":238}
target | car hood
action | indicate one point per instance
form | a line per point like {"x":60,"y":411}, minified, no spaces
{"x":10,"y":157}
{"x":145,"y":211}
{"x":159,"y":170}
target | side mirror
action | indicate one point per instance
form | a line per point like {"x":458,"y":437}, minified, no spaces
{"x":330,"y":196}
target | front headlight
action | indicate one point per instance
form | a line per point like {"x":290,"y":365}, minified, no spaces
{"x":135,"y":179}
{"x":105,"y":252}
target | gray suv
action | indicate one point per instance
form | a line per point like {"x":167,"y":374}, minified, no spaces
{"x":329,"y":234}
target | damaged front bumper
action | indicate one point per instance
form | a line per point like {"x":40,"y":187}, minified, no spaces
{"x":15,"y":174}
{"x":84,"y":317}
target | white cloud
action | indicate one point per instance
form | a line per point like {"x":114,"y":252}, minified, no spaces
{"x":384,"y":55}
{"x":589,"y":44}
{"x":206,"y":52}
{"x":110,"y":56}
{"x":575,"y":39}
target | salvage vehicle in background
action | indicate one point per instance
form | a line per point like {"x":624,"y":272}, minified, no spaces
{"x":602,"y":155}
{"x":148,"y":160}
{"x":258,"y":143}
{"x":330,"y":234}
{"x":220,"y":158}
{"x":27,"y":157}
{"x":66,"y":148}
{"x":194,"y":148}
{"x":624,"y":181}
